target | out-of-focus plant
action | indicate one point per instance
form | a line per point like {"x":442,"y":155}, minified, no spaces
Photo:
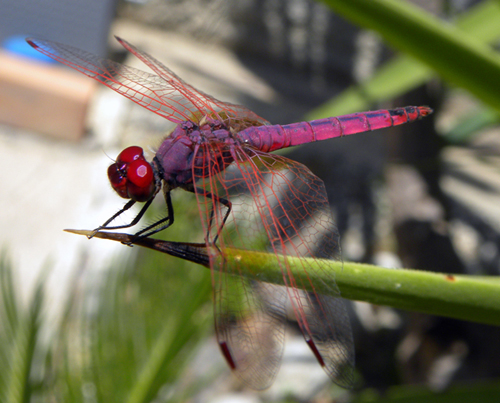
{"x":125,"y":335}
{"x":459,"y":51}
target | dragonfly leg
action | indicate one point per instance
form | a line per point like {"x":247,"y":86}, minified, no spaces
{"x":159,"y":225}
{"x":216,"y":199}
{"x":117,"y":214}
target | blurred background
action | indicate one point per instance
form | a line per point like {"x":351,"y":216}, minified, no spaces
{"x":95,"y":321}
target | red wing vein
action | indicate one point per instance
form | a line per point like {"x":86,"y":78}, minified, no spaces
{"x":249,"y":317}
{"x":324,"y":320}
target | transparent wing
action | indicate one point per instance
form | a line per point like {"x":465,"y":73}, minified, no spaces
{"x":277,"y":206}
{"x":236,"y":116}
{"x":249,"y":316}
{"x":166,"y":95}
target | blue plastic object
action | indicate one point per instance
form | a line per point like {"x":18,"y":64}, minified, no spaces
{"x":18,"y":45}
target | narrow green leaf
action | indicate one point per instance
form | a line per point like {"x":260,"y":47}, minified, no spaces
{"x":176,"y":332}
{"x":457,"y":54}
{"x":19,"y":388}
{"x":471,"y":124}
{"x":393,"y":79}
{"x":9,"y":306}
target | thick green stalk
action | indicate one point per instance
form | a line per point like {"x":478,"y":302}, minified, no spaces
{"x":457,"y":296}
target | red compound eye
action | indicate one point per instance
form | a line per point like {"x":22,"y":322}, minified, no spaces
{"x":130,"y":154}
{"x":118,"y":180}
{"x":131,"y":176}
{"x":140,"y":180}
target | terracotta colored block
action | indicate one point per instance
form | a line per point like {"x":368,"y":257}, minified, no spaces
{"x":46,"y":98}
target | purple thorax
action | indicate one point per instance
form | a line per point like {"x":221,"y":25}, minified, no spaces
{"x":174,"y":158}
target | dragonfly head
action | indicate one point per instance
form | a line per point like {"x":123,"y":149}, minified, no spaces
{"x":131,"y":176}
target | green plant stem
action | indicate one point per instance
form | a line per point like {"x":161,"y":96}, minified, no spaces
{"x":457,"y":296}
{"x":463,"y":297}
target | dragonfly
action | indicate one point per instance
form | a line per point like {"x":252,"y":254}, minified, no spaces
{"x":247,"y":198}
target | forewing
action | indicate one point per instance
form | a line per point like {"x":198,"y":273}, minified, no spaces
{"x":167,"y":96}
{"x":279,"y":206}
{"x":235,"y":116}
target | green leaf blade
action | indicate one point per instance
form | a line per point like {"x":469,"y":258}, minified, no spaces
{"x":458,"y":53}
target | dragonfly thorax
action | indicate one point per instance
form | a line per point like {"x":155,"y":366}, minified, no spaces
{"x":185,"y":151}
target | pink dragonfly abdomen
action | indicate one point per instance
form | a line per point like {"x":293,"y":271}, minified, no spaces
{"x":271,"y":138}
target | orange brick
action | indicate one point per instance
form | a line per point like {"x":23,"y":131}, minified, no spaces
{"x":46,"y":98}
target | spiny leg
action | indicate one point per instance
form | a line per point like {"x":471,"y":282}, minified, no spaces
{"x":215,"y":199}
{"x":169,"y":219}
{"x":117,"y":214}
